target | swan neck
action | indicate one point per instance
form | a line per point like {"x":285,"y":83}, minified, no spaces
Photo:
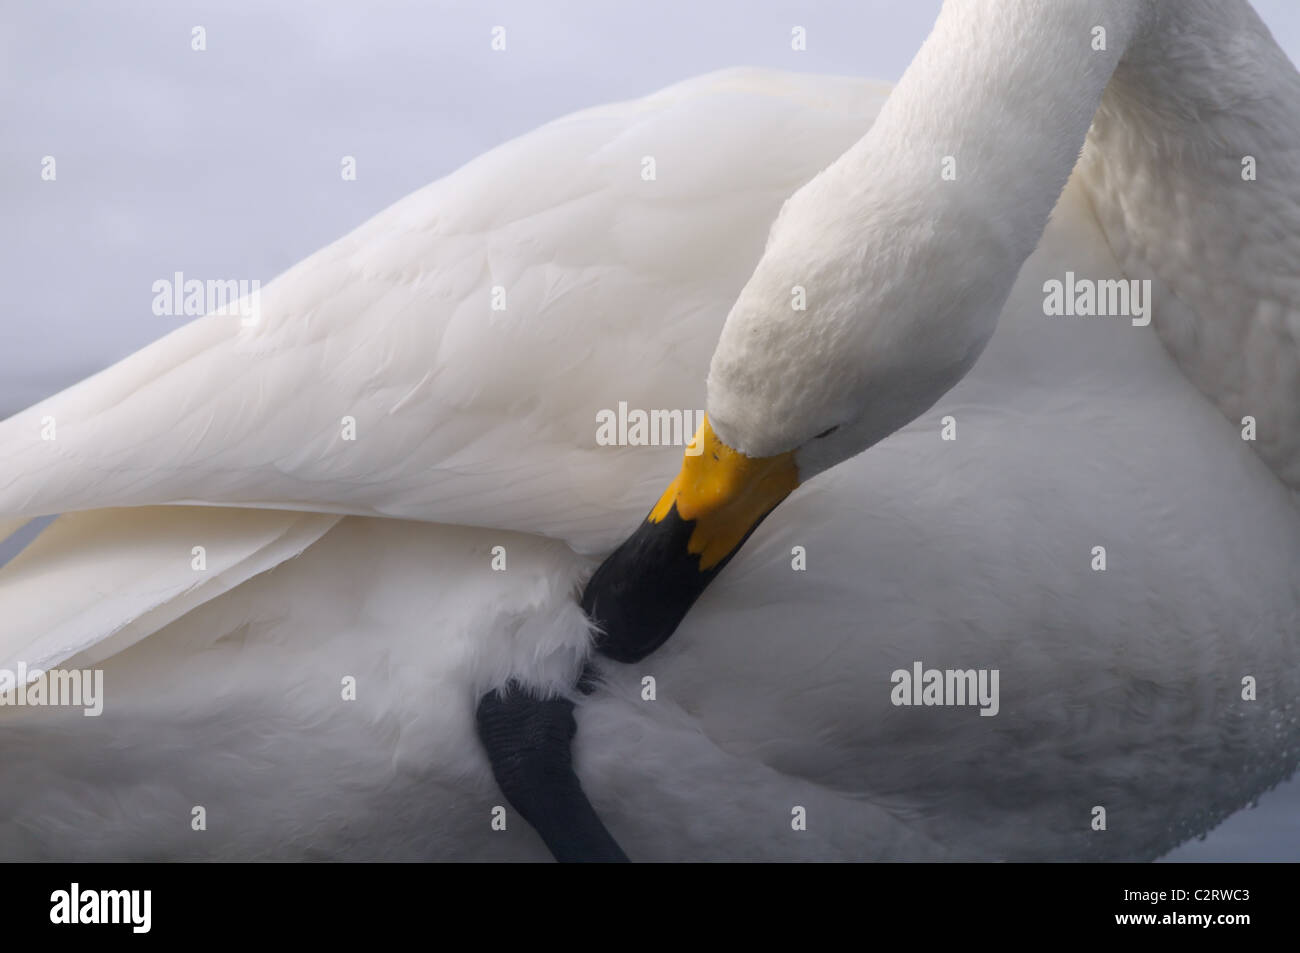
{"x":1192,"y":168}
{"x":996,"y":107}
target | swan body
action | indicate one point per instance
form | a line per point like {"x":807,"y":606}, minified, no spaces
{"x":373,"y":559}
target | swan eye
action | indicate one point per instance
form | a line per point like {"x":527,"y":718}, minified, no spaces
{"x":827,"y":433}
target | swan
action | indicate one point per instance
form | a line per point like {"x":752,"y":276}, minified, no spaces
{"x":308,"y":687}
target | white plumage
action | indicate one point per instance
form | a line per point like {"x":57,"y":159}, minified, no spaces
{"x":476,"y":429}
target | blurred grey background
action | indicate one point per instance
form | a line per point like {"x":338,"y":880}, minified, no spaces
{"x":225,"y":163}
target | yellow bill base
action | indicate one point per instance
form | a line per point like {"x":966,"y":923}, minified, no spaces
{"x":724,"y":494}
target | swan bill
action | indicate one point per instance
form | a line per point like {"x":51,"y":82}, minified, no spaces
{"x":644,"y":589}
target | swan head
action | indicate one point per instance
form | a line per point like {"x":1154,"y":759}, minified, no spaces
{"x":866,"y":306}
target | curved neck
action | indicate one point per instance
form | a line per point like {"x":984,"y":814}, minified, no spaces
{"x":911,"y":241}
{"x":1193,"y":169}
{"x":1191,"y":118}
{"x":993,"y":111}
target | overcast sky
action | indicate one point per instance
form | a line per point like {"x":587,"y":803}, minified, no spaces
{"x":225,"y":163}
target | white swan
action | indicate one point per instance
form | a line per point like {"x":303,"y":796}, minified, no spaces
{"x":475,"y":429}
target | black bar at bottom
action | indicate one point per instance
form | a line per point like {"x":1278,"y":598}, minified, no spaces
{"x":327,"y":902}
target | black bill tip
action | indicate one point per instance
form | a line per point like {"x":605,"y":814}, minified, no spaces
{"x":643,"y":590}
